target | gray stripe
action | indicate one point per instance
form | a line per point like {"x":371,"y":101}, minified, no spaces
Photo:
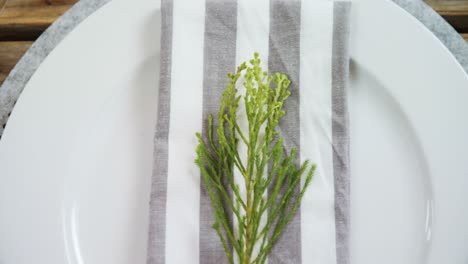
{"x":157,"y":226}
{"x":340,"y":130}
{"x":284,"y":48}
{"x":219,"y":59}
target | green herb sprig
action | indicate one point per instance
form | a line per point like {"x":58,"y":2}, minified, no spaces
{"x":272,"y":190}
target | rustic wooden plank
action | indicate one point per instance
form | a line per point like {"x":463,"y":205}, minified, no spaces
{"x":454,"y":11}
{"x":465,"y":36}
{"x":450,"y":7}
{"x":27,"y":19}
{"x":29,"y":3}
{"x":460,"y":23}
{"x":10,"y":53}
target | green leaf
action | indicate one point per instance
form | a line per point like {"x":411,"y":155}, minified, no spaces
{"x":269,"y":176}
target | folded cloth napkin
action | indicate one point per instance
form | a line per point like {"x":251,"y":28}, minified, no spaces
{"x":203,"y":40}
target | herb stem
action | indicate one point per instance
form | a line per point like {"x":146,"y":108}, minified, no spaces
{"x":271,"y":178}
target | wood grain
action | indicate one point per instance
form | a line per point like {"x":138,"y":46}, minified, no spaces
{"x":454,"y":11}
{"x":10,"y":53}
{"x":27,"y":19}
{"x":465,"y":36}
{"x":460,"y":23}
{"x":26,"y":3}
{"x":450,"y":7}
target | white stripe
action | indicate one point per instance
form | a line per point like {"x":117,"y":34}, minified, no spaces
{"x":317,"y":212}
{"x":183,"y":190}
{"x":252,"y":36}
{"x":253,"y":29}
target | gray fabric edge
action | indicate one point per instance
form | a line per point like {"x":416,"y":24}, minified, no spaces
{"x":156,"y":248}
{"x":219,"y":58}
{"x":439,"y":27}
{"x":41,"y":48}
{"x":340,"y":128}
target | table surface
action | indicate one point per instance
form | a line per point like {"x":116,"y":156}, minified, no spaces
{"x":22,"y":21}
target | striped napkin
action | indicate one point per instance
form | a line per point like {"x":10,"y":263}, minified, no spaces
{"x":203,"y":40}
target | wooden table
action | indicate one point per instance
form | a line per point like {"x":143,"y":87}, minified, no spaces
{"x":22,"y":21}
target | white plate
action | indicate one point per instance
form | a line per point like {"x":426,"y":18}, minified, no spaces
{"x":75,"y":157}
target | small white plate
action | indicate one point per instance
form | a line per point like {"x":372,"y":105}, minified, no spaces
{"x":76,"y":155}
